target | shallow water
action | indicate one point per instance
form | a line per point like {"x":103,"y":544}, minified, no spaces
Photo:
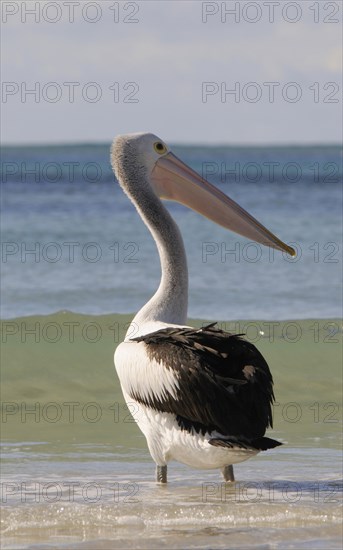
{"x":76,"y":472}
{"x":94,"y":498}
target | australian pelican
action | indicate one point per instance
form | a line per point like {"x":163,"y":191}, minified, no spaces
{"x":204,"y":396}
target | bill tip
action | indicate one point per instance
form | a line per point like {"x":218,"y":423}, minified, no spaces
{"x":291,"y":251}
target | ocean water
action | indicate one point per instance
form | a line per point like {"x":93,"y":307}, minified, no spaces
{"x":76,"y":264}
{"x":77,"y":243}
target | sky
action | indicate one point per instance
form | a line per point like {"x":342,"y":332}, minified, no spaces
{"x":235,"y":72}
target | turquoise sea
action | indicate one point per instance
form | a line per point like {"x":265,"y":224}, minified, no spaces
{"x":76,"y":264}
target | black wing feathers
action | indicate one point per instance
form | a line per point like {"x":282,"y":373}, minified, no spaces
{"x":224,"y":382}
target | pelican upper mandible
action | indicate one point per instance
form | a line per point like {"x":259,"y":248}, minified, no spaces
{"x":204,"y":396}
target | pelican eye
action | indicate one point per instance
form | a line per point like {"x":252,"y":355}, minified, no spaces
{"x":160,"y":148}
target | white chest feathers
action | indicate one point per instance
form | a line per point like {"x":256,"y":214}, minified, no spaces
{"x":141,"y":376}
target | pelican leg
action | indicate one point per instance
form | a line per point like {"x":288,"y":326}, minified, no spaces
{"x":228,"y":474}
{"x":161,"y":474}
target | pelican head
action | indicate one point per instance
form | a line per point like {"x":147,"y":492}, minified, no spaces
{"x":144,"y":164}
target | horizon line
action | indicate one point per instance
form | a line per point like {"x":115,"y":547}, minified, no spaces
{"x":177,"y":144}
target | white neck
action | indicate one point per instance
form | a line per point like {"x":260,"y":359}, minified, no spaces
{"x":169,"y":303}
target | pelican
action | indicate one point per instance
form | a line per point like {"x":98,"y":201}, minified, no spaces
{"x":204,"y":396}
